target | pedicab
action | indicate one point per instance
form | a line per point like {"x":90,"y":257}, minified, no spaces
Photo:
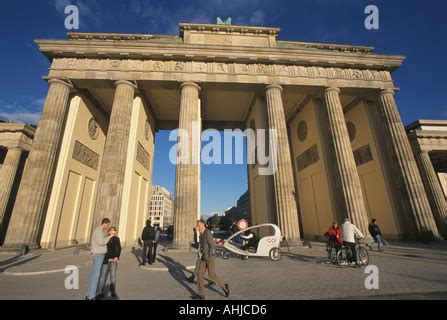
{"x":267,"y":246}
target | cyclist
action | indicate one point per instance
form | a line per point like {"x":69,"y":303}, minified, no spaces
{"x":350,"y":233}
{"x":334,"y":235}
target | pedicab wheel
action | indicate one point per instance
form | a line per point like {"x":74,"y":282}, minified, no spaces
{"x":275,"y":254}
{"x":244,"y":257}
{"x":225,"y":254}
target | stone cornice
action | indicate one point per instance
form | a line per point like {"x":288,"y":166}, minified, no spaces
{"x":97,"y":36}
{"x":171,"y":51}
{"x":324,"y":46}
{"x":18,"y":127}
{"x":210,"y":28}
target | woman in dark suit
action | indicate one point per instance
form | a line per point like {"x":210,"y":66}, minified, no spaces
{"x":110,"y":264}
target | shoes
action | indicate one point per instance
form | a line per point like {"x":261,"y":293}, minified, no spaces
{"x":190,"y":279}
{"x":211,"y":283}
{"x":99,"y":296}
{"x":226,"y":290}
{"x":150,"y":263}
{"x":142,"y":264}
{"x":198,"y":297}
{"x":113,"y":295}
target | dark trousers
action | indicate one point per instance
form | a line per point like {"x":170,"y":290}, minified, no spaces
{"x":353,"y":248}
{"x":155,"y":252}
{"x":147,"y":250}
{"x":211,"y":265}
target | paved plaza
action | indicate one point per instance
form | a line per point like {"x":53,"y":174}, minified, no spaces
{"x":406,"y":270}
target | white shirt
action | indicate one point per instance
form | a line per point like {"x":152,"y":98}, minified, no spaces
{"x":350,"y":231}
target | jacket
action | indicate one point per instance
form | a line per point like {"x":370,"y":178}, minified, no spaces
{"x":206,"y":245}
{"x":99,"y":241}
{"x":113,"y":249}
{"x":374,"y":230}
{"x":335,"y":235}
{"x":148,"y":233}
{"x":350,"y":232}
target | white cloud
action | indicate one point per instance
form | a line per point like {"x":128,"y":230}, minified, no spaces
{"x":30,"y":118}
{"x":90,"y":12}
{"x":257,"y":18}
{"x":60,"y":5}
{"x":135,"y":6}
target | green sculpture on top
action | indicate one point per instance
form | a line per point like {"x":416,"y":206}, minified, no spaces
{"x":226,"y":22}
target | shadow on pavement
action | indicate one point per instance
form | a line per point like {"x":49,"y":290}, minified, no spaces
{"x":176,"y":270}
{"x":14,"y":262}
{"x":138,"y":253}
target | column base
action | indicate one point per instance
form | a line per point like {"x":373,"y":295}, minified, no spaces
{"x":425,"y":236}
{"x":18,"y":248}
{"x":180,"y":246}
{"x":292,"y":243}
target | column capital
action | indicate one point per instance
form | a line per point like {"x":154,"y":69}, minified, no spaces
{"x":65,"y":82}
{"x":190,"y":84}
{"x":331,"y":89}
{"x":274,"y":86}
{"x":386,"y":91}
{"x":130,"y":83}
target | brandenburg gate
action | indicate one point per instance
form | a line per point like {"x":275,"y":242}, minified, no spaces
{"x":342,"y":148}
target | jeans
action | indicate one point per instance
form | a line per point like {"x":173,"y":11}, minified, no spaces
{"x":378,"y":240}
{"x":108,"y":269}
{"x":148,"y":250}
{"x":98,"y":258}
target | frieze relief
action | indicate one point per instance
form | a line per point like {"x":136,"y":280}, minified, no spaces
{"x":307,"y":158}
{"x":219,"y":68}
{"x":363,"y":155}
{"x":143,"y":156}
{"x":85,"y":155}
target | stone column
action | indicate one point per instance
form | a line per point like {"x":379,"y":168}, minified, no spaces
{"x":113,"y":167}
{"x":7,"y":175}
{"x":27,"y":215}
{"x":434,"y":191}
{"x":422,"y":224}
{"x":347,"y":179}
{"x":286,"y":208}
{"x":187,"y":175}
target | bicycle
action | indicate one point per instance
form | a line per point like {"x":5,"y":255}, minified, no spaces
{"x":331,"y":252}
{"x":345,"y":256}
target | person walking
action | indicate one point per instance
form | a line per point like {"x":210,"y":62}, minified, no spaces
{"x":350,"y":233}
{"x":110,"y":264}
{"x":207,"y":260}
{"x":148,"y":237}
{"x":98,"y":250}
{"x":156,"y":240}
{"x":376,"y":234}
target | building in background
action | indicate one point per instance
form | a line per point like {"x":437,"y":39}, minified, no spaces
{"x":161,"y":207}
{"x":15,"y":142}
{"x":241,"y":210}
{"x":428,"y":140}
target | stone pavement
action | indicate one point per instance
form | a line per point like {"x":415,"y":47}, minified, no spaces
{"x":406,"y":270}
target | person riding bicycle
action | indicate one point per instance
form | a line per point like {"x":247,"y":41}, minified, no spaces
{"x":350,"y":233}
{"x":334,"y":235}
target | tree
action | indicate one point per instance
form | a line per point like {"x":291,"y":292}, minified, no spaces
{"x":215,"y":220}
{"x":225,"y":223}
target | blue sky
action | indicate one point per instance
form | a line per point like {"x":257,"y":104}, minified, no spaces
{"x":415,"y":29}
